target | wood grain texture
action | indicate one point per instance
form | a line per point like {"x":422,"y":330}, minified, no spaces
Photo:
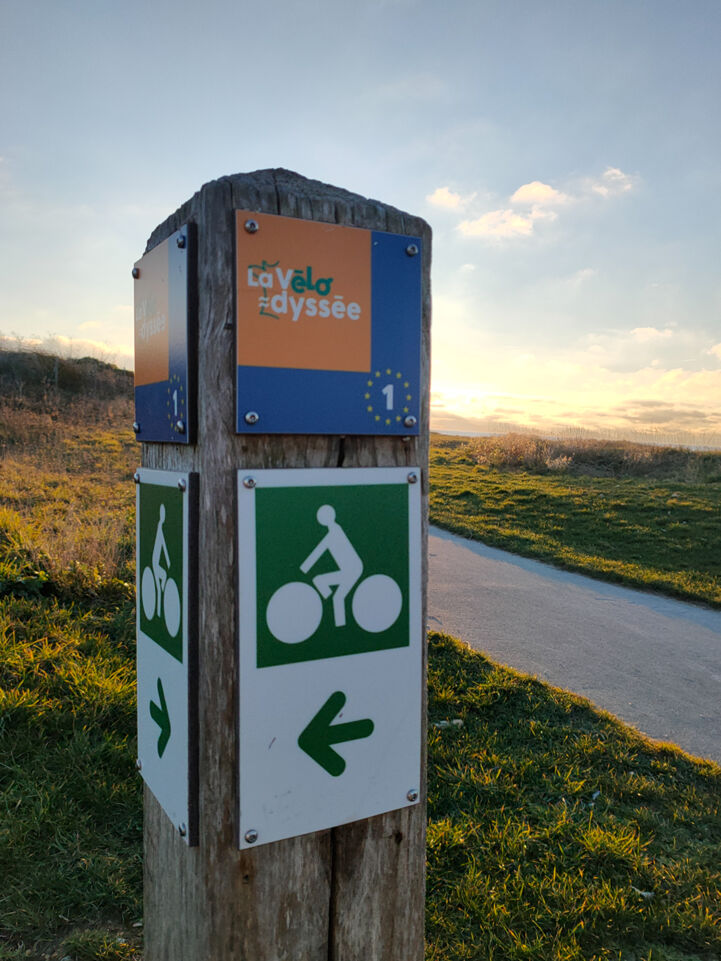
{"x":356,"y":892}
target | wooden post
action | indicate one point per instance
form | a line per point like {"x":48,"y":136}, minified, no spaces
{"x":353,"y":893}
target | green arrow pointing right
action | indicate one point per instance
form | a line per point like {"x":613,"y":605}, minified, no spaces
{"x":161,"y":717}
{"x":320,"y":733}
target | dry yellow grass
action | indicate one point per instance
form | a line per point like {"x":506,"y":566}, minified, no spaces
{"x":66,"y":494}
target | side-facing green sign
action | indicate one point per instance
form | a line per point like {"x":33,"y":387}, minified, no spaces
{"x":167,"y":702}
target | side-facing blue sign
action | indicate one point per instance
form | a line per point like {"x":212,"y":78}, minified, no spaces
{"x":328,"y":322}
{"x":164,"y":401}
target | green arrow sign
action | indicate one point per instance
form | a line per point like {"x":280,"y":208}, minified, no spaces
{"x":317,"y":737}
{"x":162,"y":719}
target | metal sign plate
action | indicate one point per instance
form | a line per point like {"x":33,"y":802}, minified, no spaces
{"x":330,"y":647}
{"x":164,"y":281}
{"x":328,"y":325}
{"x":166,"y":648}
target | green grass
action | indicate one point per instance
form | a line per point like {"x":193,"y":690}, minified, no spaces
{"x":70,"y":799}
{"x":71,"y":825}
{"x":558,"y":833}
{"x":655,"y":532}
{"x":555,"y":832}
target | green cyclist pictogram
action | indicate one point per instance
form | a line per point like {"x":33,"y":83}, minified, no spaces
{"x":332,"y":571}
{"x":160,"y":565}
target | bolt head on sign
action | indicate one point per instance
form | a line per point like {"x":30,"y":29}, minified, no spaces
{"x":328,"y":328}
{"x":330,"y":647}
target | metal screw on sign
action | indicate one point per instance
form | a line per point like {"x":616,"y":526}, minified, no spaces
{"x":410,"y":421}
{"x":251,"y":417}
{"x":136,"y":477}
{"x":251,"y":226}
{"x":136,"y":427}
{"x":412,"y":795}
{"x":182,"y":485}
{"x":412,"y":250}
{"x":182,"y":830}
{"x":180,"y":426}
{"x":180,"y":241}
{"x":413,"y":477}
{"x":136,"y":273}
{"x":249,"y":482}
{"x":251,"y":836}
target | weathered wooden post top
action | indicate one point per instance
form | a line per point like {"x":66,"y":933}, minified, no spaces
{"x":281,"y":398}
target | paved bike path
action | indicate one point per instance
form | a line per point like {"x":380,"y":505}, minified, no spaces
{"x":652,"y":661}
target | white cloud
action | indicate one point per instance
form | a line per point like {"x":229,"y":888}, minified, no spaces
{"x":534,"y":201}
{"x":447,"y":199}
{"x":648,"y":334}
{"x":613,"y":182}
{"x":715,"y":351}
{"x":503,"y":224}
{"x":538,"y":194}
{"x":443,"y":197}
{"x":542,"y":213}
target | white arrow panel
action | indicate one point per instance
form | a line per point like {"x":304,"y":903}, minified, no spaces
{"x":283,"y":791}
{"x":166,"y":776}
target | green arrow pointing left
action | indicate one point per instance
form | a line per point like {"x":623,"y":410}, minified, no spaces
{"x":161,"y":717}
{"x":317,"y":737}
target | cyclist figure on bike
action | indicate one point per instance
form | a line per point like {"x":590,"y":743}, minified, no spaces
{"x":350,"y":566}
{"x":160,"y":548}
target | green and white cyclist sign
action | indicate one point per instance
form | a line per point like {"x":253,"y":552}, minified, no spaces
{"x":163,"y":519}
{"x":330,"y":647}
{"x":331,"y":561}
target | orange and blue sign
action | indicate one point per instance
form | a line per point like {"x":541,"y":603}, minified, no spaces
{"x":163,"y":302}
{"x":328,"y":328}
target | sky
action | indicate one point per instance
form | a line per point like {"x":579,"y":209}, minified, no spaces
{"x":566,"y":153}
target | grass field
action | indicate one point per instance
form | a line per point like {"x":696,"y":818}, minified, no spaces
{"x":71,"y":825}
{"x":554,"y":831}
{"x":645,"y":517}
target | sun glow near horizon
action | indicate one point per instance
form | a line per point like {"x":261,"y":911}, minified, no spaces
{"x":556,"y":394}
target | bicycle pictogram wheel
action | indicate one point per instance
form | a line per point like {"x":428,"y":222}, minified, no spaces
{"x":377,"y":603}
{"x":171,"y":607}
{"x":295,"y":610}
{"x":170,"y":601}
{"x":148,"y":593}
